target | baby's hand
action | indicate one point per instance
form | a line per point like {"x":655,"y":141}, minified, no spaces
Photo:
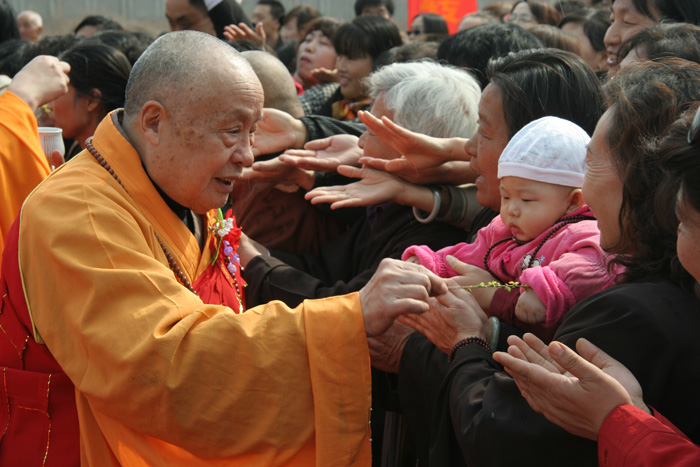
{"x":413,"y":259}
{"x":530,"y":308}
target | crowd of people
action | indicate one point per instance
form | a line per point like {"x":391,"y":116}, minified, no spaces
{"x":295,"y":240}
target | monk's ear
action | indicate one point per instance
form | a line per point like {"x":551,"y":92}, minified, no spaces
{"x":575,"y":200}
{"x":151,"y":123}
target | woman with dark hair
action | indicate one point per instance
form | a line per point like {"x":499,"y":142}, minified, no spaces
{"x":295,"y":20}
{"x":210,"y":17}
{"x":316,"y":53}
{"x":588,"y":27}
{"x":98,"y":77}
{"x":552,"y":36}
{"x":92,"y":24}
{"x":629,"y":17}
{"x":358,"y":43}
{"x":680,"y":40}
{"x":528,"y":13}
{"x":610,"y":409}
{"x":477,"y":407}
{"x":8,"y":22}
{"x":523,"y":87}
{"x":131,"y":44}
{"x":427,"y":27}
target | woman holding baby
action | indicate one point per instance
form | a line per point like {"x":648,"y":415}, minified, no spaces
{"x":470,"y":411}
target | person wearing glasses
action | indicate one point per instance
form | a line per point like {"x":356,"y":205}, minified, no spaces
{"x":529,"y":13}
{"x":598,"y":397}
{"x":427,"y":27}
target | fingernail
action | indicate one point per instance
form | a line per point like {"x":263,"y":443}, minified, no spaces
{"x":556,"y":349}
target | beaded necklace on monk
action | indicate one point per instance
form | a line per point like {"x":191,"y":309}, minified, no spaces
{"x":560,"y":224}
{"x":179,"y":274}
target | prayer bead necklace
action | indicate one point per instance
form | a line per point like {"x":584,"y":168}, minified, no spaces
{"x":558,"y":226}
{"x":171,"y":260}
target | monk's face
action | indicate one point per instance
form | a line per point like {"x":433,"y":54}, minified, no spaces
{"x":205,"y":138}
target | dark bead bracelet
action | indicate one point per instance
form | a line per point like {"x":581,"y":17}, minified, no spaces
{"x":465,"y":342}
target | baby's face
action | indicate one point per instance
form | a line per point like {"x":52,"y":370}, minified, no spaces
{"x":528,"y":208}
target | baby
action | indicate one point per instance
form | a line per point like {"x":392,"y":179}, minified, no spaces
{"x":546,"y":238}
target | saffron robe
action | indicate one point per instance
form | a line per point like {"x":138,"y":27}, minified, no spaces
{"x":162,"y":378}
{"x":22,"y":162}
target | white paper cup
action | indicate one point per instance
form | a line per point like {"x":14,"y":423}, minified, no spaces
{"x":51,"y":139}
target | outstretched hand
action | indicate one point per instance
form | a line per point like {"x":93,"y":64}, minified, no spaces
{"x":325,"y":154}
{"x":573,"y":391}
{"x":244,"y":32}
{"x":276,"y":172}
{"x":374,"y":188}
{"x":277,"y":132}
{"x":324,"y":75}
{"x":397,"y":288}
{"x":418,"y":151}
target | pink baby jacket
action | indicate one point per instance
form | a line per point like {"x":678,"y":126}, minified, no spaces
{"x":570,"y":265}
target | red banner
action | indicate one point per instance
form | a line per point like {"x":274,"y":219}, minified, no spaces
{"x":452,"y":10}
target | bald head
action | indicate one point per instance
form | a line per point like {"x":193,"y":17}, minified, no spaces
{"x":179,"y":64}
{"x":277,"y":83}
{"x":30,"y":25}
{"x":192,"y":106}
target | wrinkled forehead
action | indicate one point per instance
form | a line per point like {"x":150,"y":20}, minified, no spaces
{"x":229,"y":92}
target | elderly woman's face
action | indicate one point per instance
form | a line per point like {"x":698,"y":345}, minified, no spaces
{"x":183,"y":16}
{"x":602,"y":187}
{"x":486,"y":146}
{"x":688,"y":243}
{"x":522,"y":16}
{"x":316,"y":51}
{"x":371,"y":144}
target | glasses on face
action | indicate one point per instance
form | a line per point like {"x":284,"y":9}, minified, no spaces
{"x":694,"y":132}
{"x":521,"y":18}
{"x":414,"y":32}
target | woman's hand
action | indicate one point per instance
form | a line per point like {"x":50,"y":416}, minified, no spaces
{"x":572,"y":391}
{"x":278,"y":131}
{"x":243,"y":32}
{"x":374,"y":188}
{"x":418,"y":151}
{"x":324,"y":75}
{"x":452,"y":317}
{"x":325,"y":154}
{"x":473,"y":275}
{"x":278,"y":172}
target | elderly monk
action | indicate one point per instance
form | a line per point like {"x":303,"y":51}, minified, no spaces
{"x":98,"y":275}
{"x":31,"y":25}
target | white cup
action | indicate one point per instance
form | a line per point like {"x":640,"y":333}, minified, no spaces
{"x":51,"y":139}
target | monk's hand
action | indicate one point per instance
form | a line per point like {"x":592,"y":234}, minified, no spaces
{"x":386,"y":349}
{"x":573,"y":391}
{"x":397,"y":288}
{"x":41,"y":81}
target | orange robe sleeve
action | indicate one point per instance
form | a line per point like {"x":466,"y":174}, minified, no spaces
{"x":22,"y":162}
{"x":164,"y":379}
